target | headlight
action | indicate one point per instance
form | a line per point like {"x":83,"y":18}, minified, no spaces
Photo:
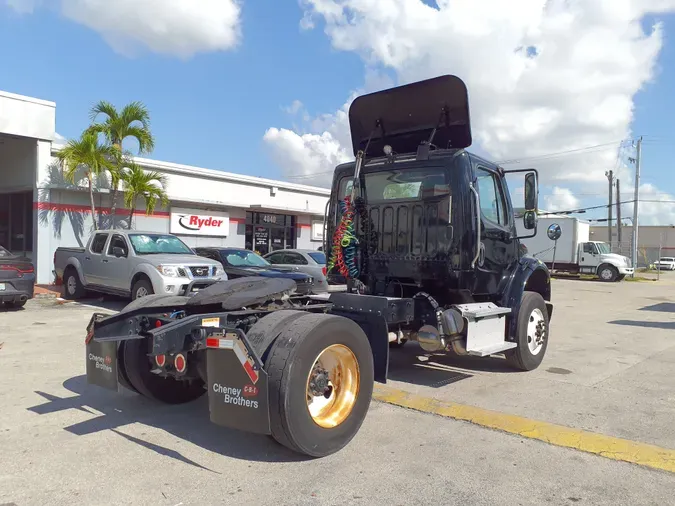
{"x":219,"y":271}
{"x":171,"y":271}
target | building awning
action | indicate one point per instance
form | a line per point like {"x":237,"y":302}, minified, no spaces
{"x":285,"y":210}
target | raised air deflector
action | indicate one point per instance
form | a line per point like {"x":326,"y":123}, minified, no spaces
{"x":406,"y":116}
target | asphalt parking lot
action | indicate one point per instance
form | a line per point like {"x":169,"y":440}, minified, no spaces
{"x":558,"y":435}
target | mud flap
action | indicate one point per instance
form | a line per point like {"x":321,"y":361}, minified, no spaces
{"x":237,"y":385}
{"x":102,"y":364}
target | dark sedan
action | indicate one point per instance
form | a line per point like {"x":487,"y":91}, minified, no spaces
{"x":240,"y":262}
{"x":17,"y":279}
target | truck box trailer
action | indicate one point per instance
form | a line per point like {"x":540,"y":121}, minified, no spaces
{"x":574,"y":251}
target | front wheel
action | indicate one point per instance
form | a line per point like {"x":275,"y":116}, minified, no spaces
{"x":141,"y":288}
{"x":608,"y":273}
{"x":532,"y":333}
{"x":321,"y":377}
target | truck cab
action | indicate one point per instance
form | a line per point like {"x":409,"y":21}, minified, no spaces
{"x":425,"y":214}
{"x":596,"y":257}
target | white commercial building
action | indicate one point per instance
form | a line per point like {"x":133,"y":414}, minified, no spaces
{"x":40,"y":210}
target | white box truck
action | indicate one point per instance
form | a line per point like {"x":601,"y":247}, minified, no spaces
{"x":574,"y":251}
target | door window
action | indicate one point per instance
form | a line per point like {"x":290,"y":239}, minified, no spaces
{"x":98,"y":243}
{"x":277,"y":258}
{"x":118,"y":241}
{"x":492,"y":204}
{"x":295,"y":259}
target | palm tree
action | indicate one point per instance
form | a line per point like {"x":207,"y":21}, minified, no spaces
{"x":132,"y":121}
{"x":96,"y":158}
{"x":149,"y":185}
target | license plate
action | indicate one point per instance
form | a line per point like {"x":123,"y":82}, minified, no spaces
{"x":2,"y":287}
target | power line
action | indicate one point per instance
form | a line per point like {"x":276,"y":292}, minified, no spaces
{"x":505,"y":162}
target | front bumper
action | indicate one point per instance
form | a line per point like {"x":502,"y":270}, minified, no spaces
{"x":18,"y":289}
{"x":626,"y":271}
{"x":183,"y":286}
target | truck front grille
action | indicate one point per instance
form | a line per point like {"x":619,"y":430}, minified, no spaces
{"x":200,"y":271}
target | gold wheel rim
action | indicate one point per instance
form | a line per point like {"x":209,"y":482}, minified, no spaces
{"x":332,"y":386}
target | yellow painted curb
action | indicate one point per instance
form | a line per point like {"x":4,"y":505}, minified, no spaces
{"x":558,"y":435}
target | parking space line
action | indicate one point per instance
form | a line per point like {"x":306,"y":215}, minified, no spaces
{"x":606,"y":446}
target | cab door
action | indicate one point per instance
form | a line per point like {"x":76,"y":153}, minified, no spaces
{"x":498,"y":248}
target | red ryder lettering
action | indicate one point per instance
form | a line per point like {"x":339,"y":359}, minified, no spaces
{"x":205,"y":222}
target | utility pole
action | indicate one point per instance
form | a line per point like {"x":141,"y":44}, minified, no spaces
{"x":618,"y":215}
{"x":636,"y":205}
{"x":610,"y":177}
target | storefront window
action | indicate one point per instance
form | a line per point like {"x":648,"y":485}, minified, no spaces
{"x":266,"y":232}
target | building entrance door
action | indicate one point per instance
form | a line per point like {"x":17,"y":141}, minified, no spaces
{"x":16,"y":222}
{"x":270,"y":232}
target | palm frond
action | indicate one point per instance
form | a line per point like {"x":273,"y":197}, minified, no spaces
{"x":103,"y":107}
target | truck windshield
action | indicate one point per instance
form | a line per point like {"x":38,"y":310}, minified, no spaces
{"x":401,"y":184}
{"x":603,"y":248}
{"x":154,"y":244}
{"x":243,"y":258}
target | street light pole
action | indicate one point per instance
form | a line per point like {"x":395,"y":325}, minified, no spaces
{"x":636,"y":205}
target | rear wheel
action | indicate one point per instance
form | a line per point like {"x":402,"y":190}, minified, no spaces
{"x":73,"y":288}
{"x":320,"y":383}
{"x":169,"y":390}
{"x":532,"y":333}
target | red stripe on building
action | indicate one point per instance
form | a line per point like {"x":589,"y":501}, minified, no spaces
{"x":304,"y":225}
{"x":72,"y":208}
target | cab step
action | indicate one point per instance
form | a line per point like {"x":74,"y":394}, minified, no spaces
{"x":485,"y":328}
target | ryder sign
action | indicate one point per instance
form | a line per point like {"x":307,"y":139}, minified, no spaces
{"x":199,"y":222}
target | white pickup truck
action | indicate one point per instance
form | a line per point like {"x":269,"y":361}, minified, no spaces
{"x":134,"y":264}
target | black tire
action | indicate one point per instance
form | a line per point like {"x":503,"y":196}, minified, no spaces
{"x":266,"y":330}
{"x":167,"y":390}
{"x":76,"y":289}
{"x":122,"y":376}
{"x":621,"y":277}
{"x":522,"y":357}
{"x":288,"y":365}
{"x":608,"y":273}
{"x":142,"y":283}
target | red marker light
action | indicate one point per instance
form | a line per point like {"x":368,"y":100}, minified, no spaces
{"x":160,"y":360}
{"x":180,"y":363}
{"x":158,"y":323}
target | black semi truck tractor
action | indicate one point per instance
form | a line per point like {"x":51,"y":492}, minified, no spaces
{"x":424,"y":234}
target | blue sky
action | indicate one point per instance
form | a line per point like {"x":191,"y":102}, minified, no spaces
{"x":212,"y":110}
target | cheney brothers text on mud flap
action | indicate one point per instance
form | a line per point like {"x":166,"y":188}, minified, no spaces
{"x":237,"y":384}
{"x":102,"y":364}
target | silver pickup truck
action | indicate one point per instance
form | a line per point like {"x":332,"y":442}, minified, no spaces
{"x":133,"y":264}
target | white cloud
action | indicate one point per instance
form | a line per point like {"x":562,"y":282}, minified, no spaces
{"x":544,"y":76}
{"x":174,"y":27}
{"x":561,"y":199}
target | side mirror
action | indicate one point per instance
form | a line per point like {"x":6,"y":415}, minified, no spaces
{"x":530,"y":192}
{"x":530,"y":220}
{"x":118,"y":252}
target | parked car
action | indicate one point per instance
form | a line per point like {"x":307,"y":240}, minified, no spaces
{"x":240,"y":262}
{"x":17,"y":279}
{"x":665,"y":264}
{"x":309,"y":261}
{"x":133,"y":263}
